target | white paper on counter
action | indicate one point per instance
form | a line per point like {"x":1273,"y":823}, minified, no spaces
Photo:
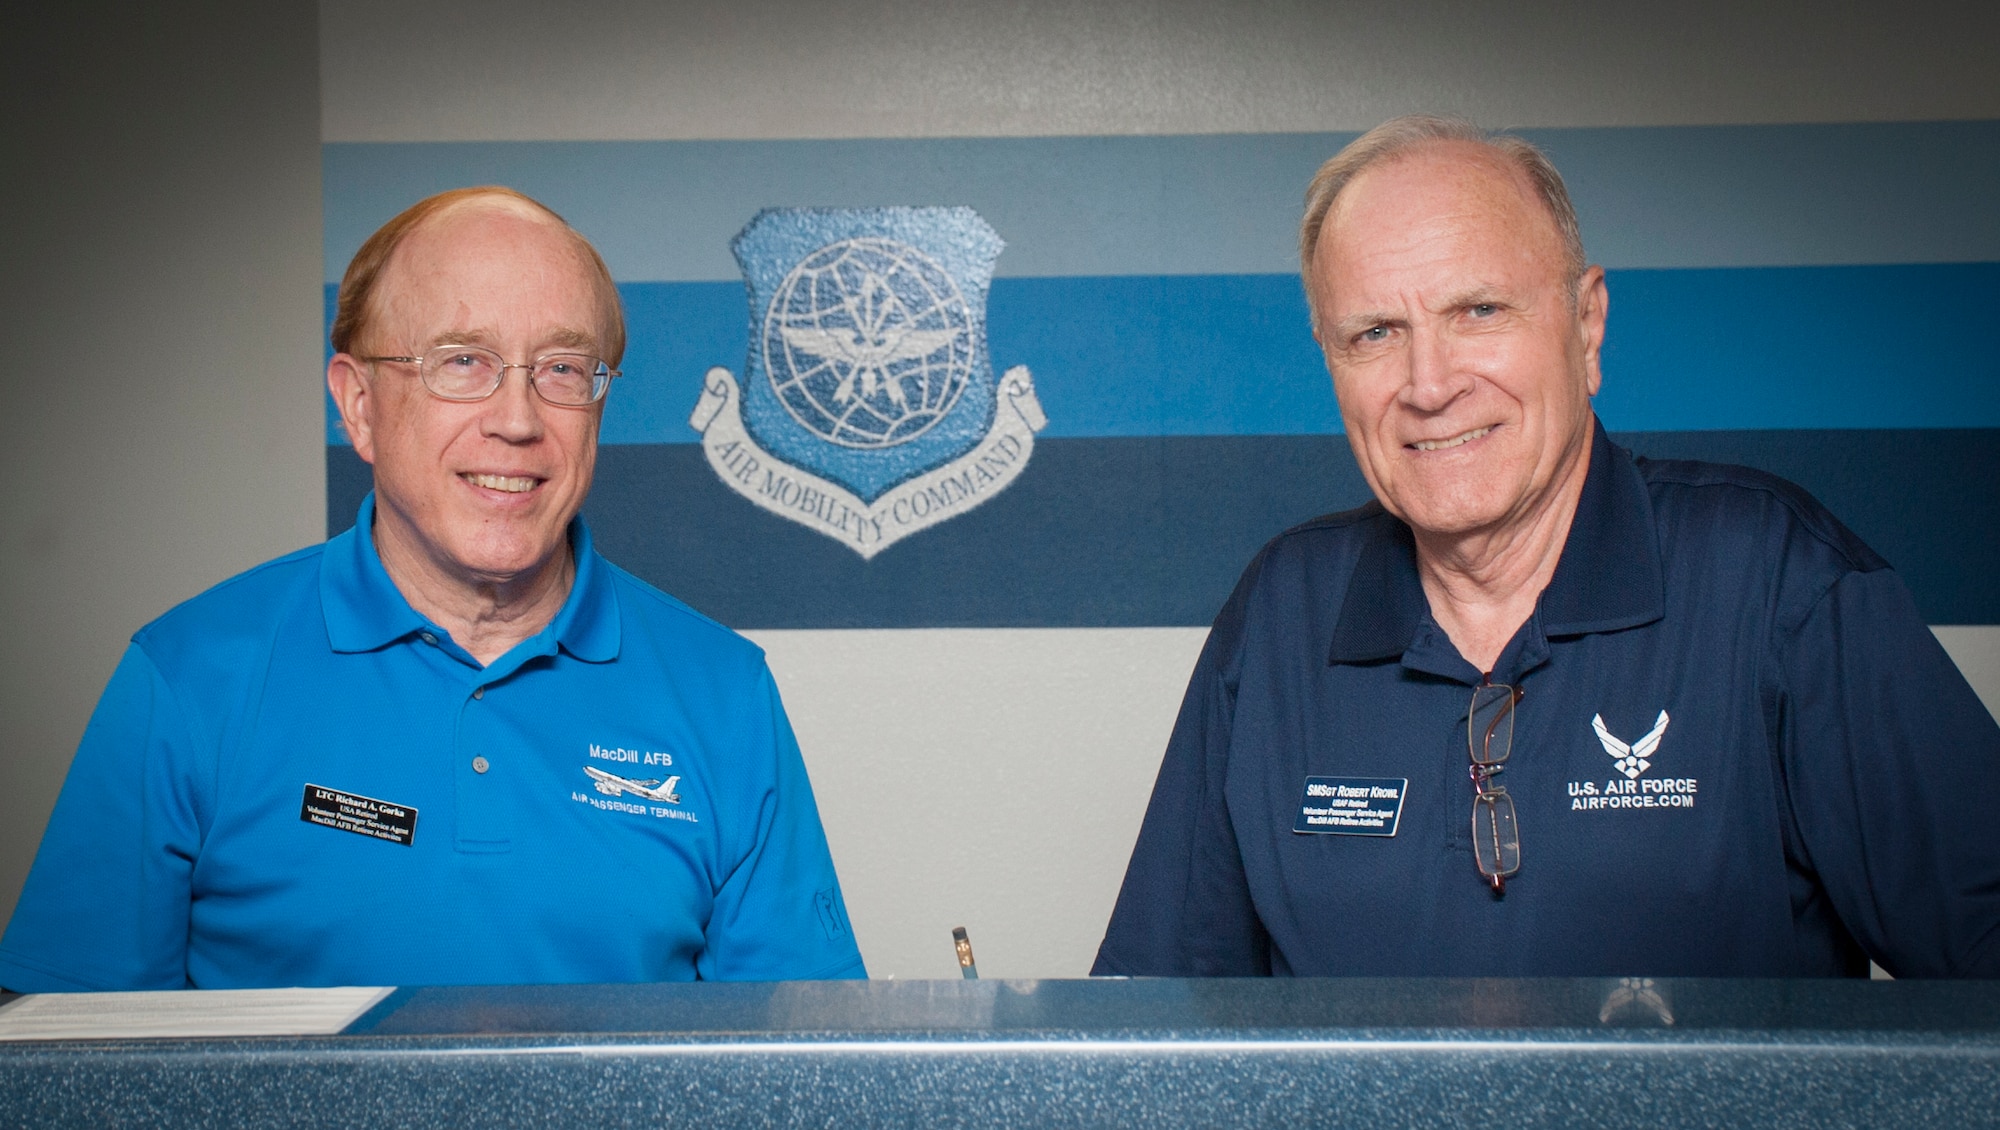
{"x":191,"y":1012}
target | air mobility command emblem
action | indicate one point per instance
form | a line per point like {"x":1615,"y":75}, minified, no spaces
{"x":868,"y":409}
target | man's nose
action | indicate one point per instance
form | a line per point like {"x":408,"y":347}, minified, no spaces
{"x":514,"y":412}
{"x":1436,"y":375}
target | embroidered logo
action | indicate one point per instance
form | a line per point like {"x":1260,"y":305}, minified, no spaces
{"x":832,"y":918}
{"x":868,"y":409}
{"x":1630,"y":760}
{"x":611,"y":784}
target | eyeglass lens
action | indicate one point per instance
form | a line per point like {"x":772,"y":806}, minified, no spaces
{"x":1489,"y":729}
{"x":468,"y":373}
{"x":1489,"y":732}
{"x":1496,"y":839}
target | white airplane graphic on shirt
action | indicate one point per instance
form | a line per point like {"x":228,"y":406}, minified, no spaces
{"x":610,"y":784}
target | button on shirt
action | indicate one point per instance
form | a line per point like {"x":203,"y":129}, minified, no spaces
{"x":618,"y":798}
{"x":1738,"y":752}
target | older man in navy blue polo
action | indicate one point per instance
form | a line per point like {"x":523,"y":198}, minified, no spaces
{"x":453,"y":744}
{"x":1544,"y":708}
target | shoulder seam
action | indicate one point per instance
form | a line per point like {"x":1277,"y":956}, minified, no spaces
{"x":1814,"y":519}
{"x":229,"y":583}
{"x":669,"y":601}
{"x":299,"y":554}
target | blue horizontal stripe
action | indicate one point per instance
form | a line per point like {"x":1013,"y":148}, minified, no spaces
{"x":1155,"y":530}
{"x":1703,"y":196}
{"x":1803,"y":347}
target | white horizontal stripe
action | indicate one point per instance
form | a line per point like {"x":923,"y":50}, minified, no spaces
{"x":995,"y":778}
{"x":986,"y":778}
{"x":1976,"y":650}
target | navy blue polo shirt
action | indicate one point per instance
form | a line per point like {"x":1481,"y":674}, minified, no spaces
{"x":1739,"y":752}
{"x":295,"y":779}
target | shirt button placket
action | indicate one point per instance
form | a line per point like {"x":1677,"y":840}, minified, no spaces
{"x":480,"y":764}
{"x":481,"y":821}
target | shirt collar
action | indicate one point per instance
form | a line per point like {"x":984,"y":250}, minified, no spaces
{"x":587,"y":626}
{"x":1608,"y":577}
{"x":365,"y":610}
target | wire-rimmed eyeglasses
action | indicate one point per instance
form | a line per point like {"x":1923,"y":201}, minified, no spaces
{"x":471,"y":372}
{"x":1489,"y":734}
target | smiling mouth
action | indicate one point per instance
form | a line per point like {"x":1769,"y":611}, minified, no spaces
{"x":1455,"y":441}
{"x":512,"y":484}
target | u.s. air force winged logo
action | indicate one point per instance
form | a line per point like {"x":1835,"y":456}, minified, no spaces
{"x":868,"y":409}
{"x":1630,"y":760}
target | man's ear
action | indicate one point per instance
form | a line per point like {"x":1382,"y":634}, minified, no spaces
{"x":1593,"y":305}
{"x":354,"y":397}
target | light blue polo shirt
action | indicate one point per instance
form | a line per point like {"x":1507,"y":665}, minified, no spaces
{"x":295,"y":779}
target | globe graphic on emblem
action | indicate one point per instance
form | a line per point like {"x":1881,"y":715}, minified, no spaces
{"x":868,"y":343}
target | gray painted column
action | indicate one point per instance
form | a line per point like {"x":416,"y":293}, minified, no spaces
{"x":161,"y":320}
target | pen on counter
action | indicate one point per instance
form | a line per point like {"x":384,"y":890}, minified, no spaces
{"x":964,"y":946}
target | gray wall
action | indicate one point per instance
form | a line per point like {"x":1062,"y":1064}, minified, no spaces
{"x":164,"y":243}
{"x":160,"y":259}
{"x":646,"y":69}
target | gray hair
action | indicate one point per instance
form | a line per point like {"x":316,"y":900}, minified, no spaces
{"x":1399,"y":136}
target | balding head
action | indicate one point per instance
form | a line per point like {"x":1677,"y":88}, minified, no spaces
{"x":1399,"y":137}
{"x":359,"y":304}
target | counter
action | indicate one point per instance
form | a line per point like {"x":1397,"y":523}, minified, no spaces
{"x":1376,"y":1053}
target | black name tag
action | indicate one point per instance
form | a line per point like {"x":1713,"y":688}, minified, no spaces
{"x":1351,"y":806}
{"x":362,"y":815}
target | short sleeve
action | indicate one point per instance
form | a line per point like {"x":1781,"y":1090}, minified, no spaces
{"x":1184,"y":909}
{"x":1891,"y":766}
{"x":106,"y":904}
{"x":779,"y":914}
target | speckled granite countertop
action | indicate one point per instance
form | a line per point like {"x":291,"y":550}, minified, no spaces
{"x":1057,"y":1053}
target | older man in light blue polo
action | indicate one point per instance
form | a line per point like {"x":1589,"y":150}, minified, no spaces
{"x":453,"y":744}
